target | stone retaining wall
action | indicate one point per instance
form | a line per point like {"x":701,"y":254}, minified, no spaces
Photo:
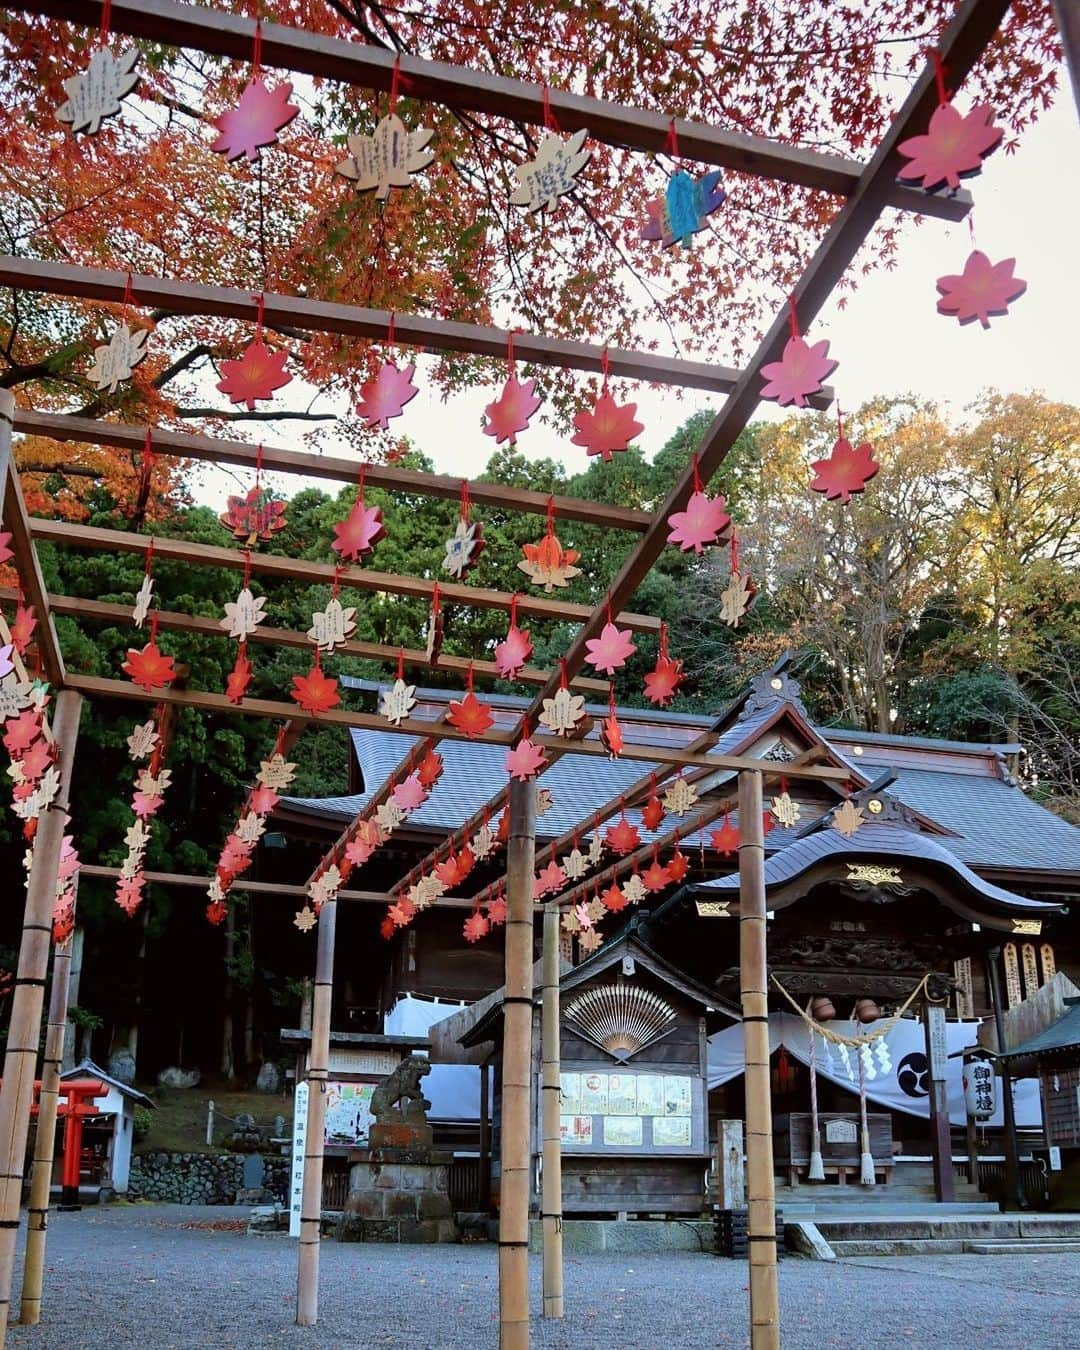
{"x":202,"y":1178}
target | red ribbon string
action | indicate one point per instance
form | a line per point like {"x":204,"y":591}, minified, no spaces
{"x":256,"y":55}
{"x":247,"y":566}
{"x":401,"y":663}
{"x":465,"y":502}
{"x":318,"y":659}
{"x":609,"y":618}
{"x":390,"y":330}
{"x":793,"y":317}
{"x":551,"y":516}
{"x":971,"y":227}
{"x":153,"y":627}
{"x":336,"y":588}
{"x":149,"y":562}
{"x":694,"y":470}
{"x":260,"y":306}
{"x":395,"y":80}
{"x":611,"y":701}
{"x":129,"y":294}
{"x":734,"y":554}
{"x":279,"y":743}
{"x":435,"y":600}
{"x":671,"y":141}
{"x":510,"y":348}
{"x":106,"y":16}
{"x":469,"y":678}
{"x":550,"y":121}
{"x":258,"y":465}
{"x":940,"y":71}
{"x":513,"y":609}
{"x":563,"y":681}
{"x":605,"y":366}
{"x":663,"y":653}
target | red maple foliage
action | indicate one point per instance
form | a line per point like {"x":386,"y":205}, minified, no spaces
{"x":953,"y":147}
{"x":847,"y":470}
{"x":981,"y":290}
{"x":314,"y":692}
{"x":148,"y":667}
{"x":256,"y":374}
{"x":609,"y":427}
{"x":385,"y":395}
{"x":255,"y":121}
{"x":469,"y":715}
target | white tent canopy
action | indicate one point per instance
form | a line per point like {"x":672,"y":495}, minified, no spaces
{"x":452,"y":1089}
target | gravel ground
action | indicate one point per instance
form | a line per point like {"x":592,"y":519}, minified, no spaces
{"x":161,"y":1276}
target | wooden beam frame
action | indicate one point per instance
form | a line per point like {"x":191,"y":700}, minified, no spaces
{"x":124,"y":436}
{"x":323,"y":316}
{"x":33,"y":583}
{"x":300,"y":569}
{"x":223,"y":34}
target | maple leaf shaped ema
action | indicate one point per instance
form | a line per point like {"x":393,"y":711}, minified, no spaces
{"x":469,"y":715}
{"x":681,"y":212}
{"x":848,"y":469}
{"x":525,"y":760}
{"x":359,"y":532}
{"x":613,"y":899}
{"x":548,"y":879}
{"x":387,"y":157}
{"x":475,"y":927}
{"x":611,"y":650}
{"x":548,"y":564}
{"x":244,"y":614}
{"x":513,"y":651}
{"x":255,"y":121}
{"x":314,"y":692}
{"x":663,"y":680}
{"x":238,"y":679}
{"x":622,"y":837}
{"x":982,"y":289}
{"x":118,"y":358}
{"x":954,"y":147}
{"x":798,"y":373}
{"x":552,"y":174}
{"x":409,"y":793}
{"x":609,"y":427}
{"x":96,"y":92}
{"x":256,"y":374}
{"x":385,"y":395}
{"x":705,"y":521}
{"x":148,"y":667}
{"x":511,"y":411}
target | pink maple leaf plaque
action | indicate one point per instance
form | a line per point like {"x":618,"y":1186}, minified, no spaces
{"x":953,"y":147}
{"x":982,"y":289}
{"x":385,"y":395}
{"x":610,"y":650}
{"x":798,"y":373}
{"x":511,"y":411}
{"x":705,"y":521}
{"x":848,"y":469}
{"x":255,"y":121}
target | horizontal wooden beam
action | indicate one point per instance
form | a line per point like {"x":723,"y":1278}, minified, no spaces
{"x":88,"y":431}
{"x":320,"y":316}
{"x":219,"y":33}
{"x":174,"y":621}
{"x":311,"y":573}
{"x":96,"y":686}
{"x":29,"y":571}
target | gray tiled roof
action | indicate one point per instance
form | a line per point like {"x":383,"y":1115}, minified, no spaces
{"x":882,"y":843}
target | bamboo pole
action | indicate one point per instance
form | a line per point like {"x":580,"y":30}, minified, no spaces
{"x":551,"y":1177}
{"x":37,"y":1219}
{"x":753,"y":978}
{"x":515,"y":1149}
{"x":307,"y":1272}
{"x":24,"y":1031}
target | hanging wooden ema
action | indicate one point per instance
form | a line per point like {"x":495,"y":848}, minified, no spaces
{"x":564,"y":713}
{"x":574,"y":863}
{"x":466,"y":543}
{"x":515,"y":649}
{"x":610,"y":426}
{"x":258,"y":371}
{"x":361,"y":529}
{"x":738,"y":595}
{"x":244,"y":614}
{"x":468,"y":714}
{"x":400,"y":699}
{"x":125,"y":348}
{"x":434,"y":643}
{"x":687,"y":202}
{"x":257,"y":516}
{"x":848,"y":469}
{"x":385,"y":395}
{"x":981,"y":291}
{"x":547,"y":563}
{"x":258,"y":117}
{"x":801,"y":370}
{"x":652,"y":813}
{"x":332,"y":626}
{"x":525,"y":760}
{"x":705,"y":520}
{"x":97,"y":92}
{"x":554,"y":171}
{"x":680,"y":797}
{"x":611,"y":733}
{"x":148,"y":666}
{"x":390,"y":155}
{"x":953,"y":146}
{"x":145,"y":593}
{"x":512,"y":411}
{"x":1012,"y":975}
{"x":612,"y":649}
{"x":662,"y":682}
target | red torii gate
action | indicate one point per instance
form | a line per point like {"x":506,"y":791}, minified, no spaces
{"x":76,"y":1107}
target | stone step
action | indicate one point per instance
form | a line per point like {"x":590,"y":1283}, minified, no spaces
{"x":1021,"y":1247}
{"x":950,"y":1227}
{"x":896,"y":1246}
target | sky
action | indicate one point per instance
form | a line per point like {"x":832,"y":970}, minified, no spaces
{"x":888,"y":340}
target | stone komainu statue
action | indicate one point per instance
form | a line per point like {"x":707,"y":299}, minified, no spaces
{"x":399,"y":1097}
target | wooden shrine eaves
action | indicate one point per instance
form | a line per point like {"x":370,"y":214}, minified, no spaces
{"x":96,"y":686}
{"x":219,"y":33}
{"x":323,"y":316}
{"x":301,"y":569}
{"x":90,"y":431}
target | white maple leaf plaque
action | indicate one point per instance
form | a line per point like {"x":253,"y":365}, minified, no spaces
{"x":332,"y":626}
{"x":387,"y":158}
{"x":118,"y":358}
{"x":563,"y":713}
{"x":276,"y":773}
{"x":552,"y":174}
{"x":142,"y":741}
{"x":95,"y":93}
{"x":244,"y":614}
{"x":398,"y":701}
{"x":143,"y":597}
{"x":680,"y":797}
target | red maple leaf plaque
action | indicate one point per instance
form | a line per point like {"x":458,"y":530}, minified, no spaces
{"x":612,"y":735}
{"x":239,"y":678}
{"x":257,"y":515}
{"x":981,"y":290}
{"x":148,"y":667}
{"x":512,"y":652}
{"x":387,"y":928}
{"x":359,"y":532}
{"x":848,"y":469}
{"x":652,"y":813}
{"x":476,"y":926}
{"x":663,"y":680}
{"x":548,"y":564}
{"x":21,"y":732}
{"x":614,"y":899}
{"x":525,"y":760}
{"x":622,"y":837}
{"x":469,"y":715}
{"x":611,"y":650}
{"x":511,"y":411}
{"x":314,"y":692}
{"x":256,"y":374}
{"x":385,"y":395}
{"x":22,"y":627}
{"x":255,"y":121}
{"x":725,"y":840}
{"x":678,"y":865}
{"x":548,"y":879}
{"x":609,"y":427}
{"x":431,"y":768}
{"x":262,"y":800}
{"x":953,"y":147}
{"x":705,"y":521}
{"x":798,"y":373}
{"x":655,"y":876}
{"x":496,"y":910}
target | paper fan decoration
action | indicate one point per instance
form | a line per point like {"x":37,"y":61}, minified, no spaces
{"x":982,"y":290}
{"x":848,"y":469}
{"x":96,"y":93}
{"x":385,"y":395}
{"x":387,"y":158}
{"x":552,"y":174}
{"x":684,"y":208}
{"x":255,"y":121}
{"x":953,"y":147}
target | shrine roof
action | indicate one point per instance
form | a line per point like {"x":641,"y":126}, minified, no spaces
{"x":1058,"y":1042}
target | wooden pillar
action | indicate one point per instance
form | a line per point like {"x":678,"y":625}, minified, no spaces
{"x":45,"y":1140}
{"x":485,"y":1136}
{"x":307,"y":1273}
{"x":753,"y":978}
{"x":550,"y":1088}
{"x":1068,"y":22}
{"x":7,"y":419}
{"x":516,"y":1135}
{"x":24,"y":1032}
{"x":1013,"y":1182}
{"x":940,"y":1126}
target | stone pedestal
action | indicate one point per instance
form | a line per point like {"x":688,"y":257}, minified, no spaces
{"x":398,"y":1193}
